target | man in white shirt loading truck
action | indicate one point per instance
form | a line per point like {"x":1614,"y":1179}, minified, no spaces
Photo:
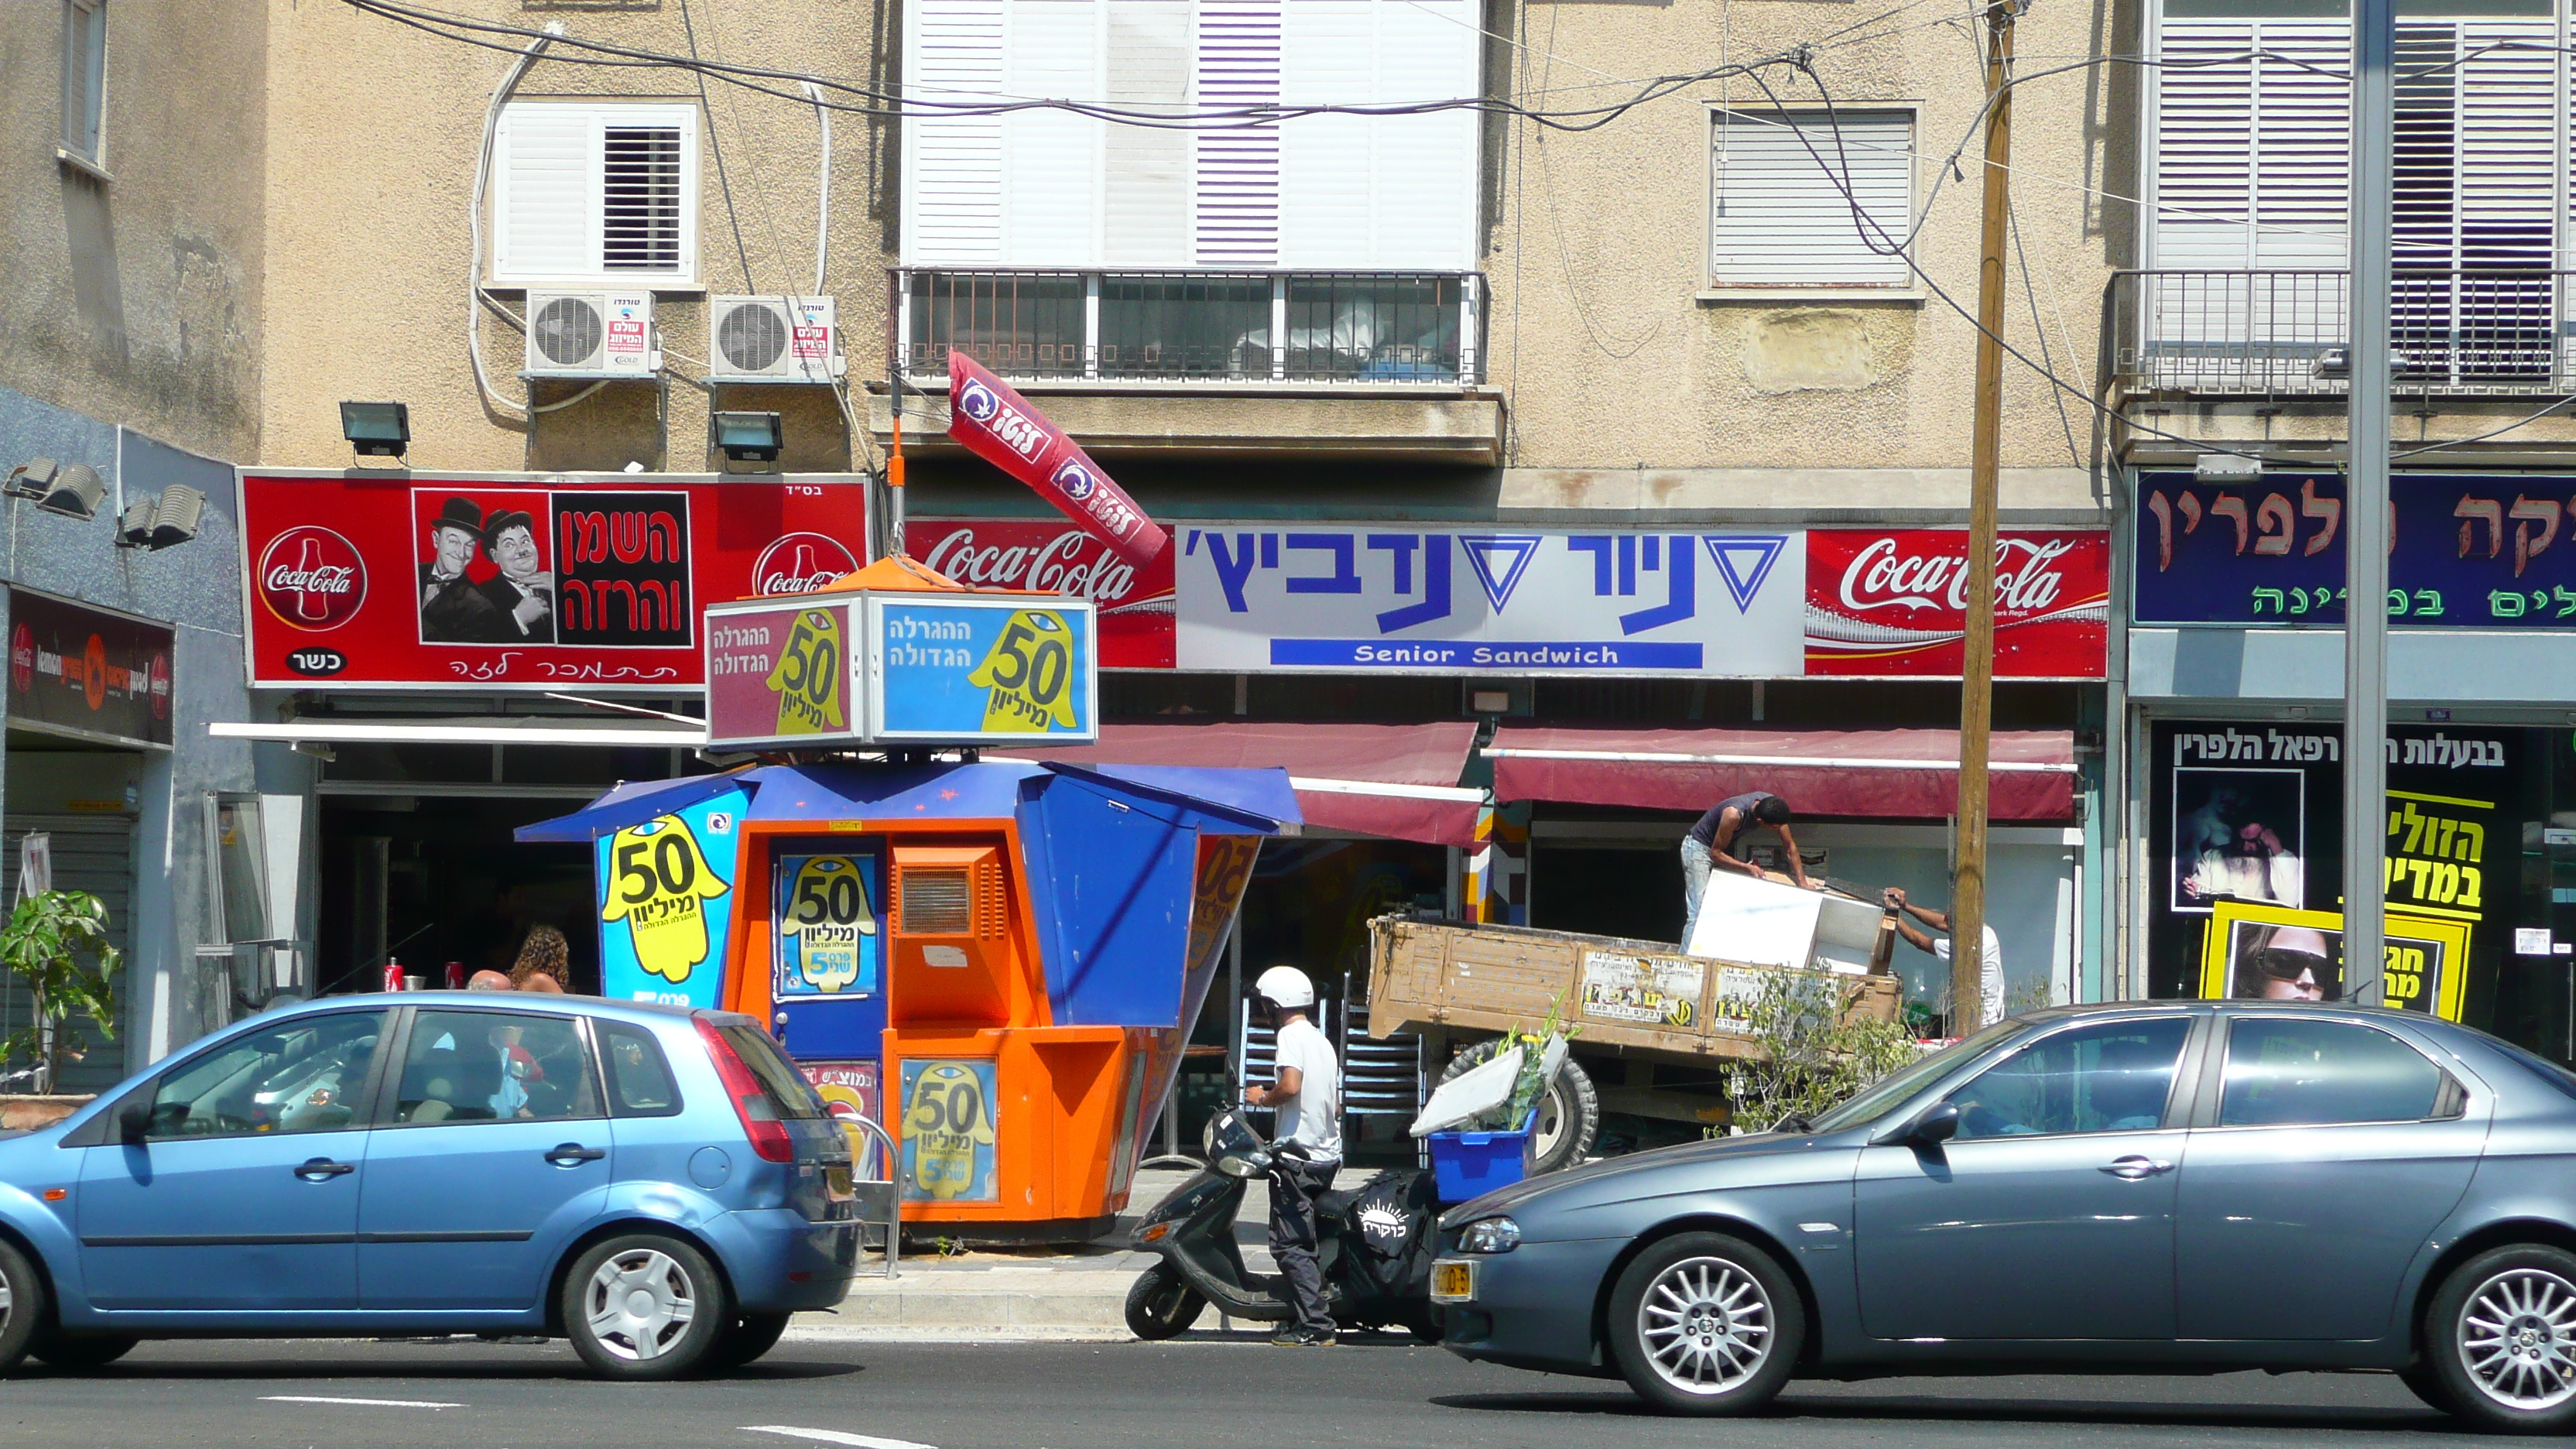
{"x":1306,"y":1091}
{"x":1990,"y":957}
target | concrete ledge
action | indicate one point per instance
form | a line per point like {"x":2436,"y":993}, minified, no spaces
{"x":1446,"y":426}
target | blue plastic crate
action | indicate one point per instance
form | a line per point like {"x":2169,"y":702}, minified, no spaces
{"x":1468,"y":1165}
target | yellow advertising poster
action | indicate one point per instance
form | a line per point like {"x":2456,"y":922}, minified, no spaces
{"x":827,"y":925}
{"x":2259,"y":952}
{"x":658,"y":881}
{"x":1028,"y":675}
{"x":948,"y":1132}
{"x":808,"y":676}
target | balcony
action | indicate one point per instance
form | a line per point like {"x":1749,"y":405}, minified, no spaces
{"x":2453,"y":333}
{"x":1360,"y":364}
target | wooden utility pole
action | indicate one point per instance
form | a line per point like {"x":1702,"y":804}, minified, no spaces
{"x":1977,"y":651}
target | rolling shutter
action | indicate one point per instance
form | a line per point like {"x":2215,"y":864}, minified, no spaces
{"x":1781,"y":219}
{"x":1051,"y":158}
{"x":1236,"y":220}
{"x":1386,"y":192}
{"x":95,"y":854}
{"x":1146,"y":176}
{"x":594,"y":193}
{"x":952,"y":176}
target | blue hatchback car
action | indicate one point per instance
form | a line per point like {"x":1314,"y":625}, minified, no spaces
{"x":658,"y":1185}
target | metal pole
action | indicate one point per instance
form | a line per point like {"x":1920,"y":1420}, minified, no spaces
{"x":2365,"y":654}
{"x":1977,"y":656}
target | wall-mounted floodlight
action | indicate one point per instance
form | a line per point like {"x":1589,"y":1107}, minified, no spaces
{"x":749,"y":437}
{"x":76,"y":492}
{"x":376,"y":429}
{"x":158,"y":523}
{"x":33,"y":480}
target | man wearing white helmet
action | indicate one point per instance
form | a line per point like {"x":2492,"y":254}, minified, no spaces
{"x":1306,"y":1089}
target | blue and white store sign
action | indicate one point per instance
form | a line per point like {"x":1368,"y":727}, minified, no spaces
{"x":1408,"y":600}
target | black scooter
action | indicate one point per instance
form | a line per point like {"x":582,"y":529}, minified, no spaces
{"x":1374,"y":1246}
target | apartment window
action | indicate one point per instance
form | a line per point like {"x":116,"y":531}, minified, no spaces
{"x":588,"y":193}
{"x":85,"y":80}
{"x":1784,"y":187}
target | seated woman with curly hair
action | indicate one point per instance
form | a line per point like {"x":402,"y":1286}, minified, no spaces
{"x":545,"y":962}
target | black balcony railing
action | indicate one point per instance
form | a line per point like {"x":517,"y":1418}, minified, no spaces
{"x":2456,"y":331}
{"x":1188,"y":327}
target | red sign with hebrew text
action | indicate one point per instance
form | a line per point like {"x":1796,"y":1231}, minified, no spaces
{"x":406,"y":582}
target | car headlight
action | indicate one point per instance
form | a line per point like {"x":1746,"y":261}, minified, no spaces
{"x":1489,"y":1235}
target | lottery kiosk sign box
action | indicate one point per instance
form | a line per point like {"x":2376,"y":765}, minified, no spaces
{"x":873,"y":669}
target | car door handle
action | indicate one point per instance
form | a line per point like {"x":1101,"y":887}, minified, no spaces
{"x":2133,"y":1168}
{"x":316,"y":1169}
{"x":565,"y":1154}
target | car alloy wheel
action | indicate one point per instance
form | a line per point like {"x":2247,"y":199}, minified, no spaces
{"x":1706,"y":1325}
{"x":640,"y":1304}
{"x":2517,"y":1338}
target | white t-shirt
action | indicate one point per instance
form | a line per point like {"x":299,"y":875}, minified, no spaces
{"x":1990,"y":976}
{"x":1313,"y":1118}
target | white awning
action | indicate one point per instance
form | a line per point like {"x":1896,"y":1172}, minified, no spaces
{"x":469,"y":730}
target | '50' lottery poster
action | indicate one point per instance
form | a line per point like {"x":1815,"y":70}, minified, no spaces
{"x":666,"y":902}
{"x":827,"y":922}
{"x":977,"y":670}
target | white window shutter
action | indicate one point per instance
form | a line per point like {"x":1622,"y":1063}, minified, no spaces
{"x":2302,"y":157}
{"x":1327,"y":56}
{"x":1781,"y":219}
{"x":1424,"y":174}
{"x":1051,"y":157}
{"x":2508,"y":135}
{"x":1237,"y":201}
{"x":2205,"y":145}
{"x":1145,"y":203}
{"x":546,"y":194}
{"x":952,"y":175}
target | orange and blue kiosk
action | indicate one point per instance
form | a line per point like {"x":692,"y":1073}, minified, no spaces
{"x":996,"y":960}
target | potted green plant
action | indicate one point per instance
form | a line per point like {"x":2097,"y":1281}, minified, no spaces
{"x":57,"y":942}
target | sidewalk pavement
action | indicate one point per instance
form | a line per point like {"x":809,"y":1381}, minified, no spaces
{"x":1008,"y":1295}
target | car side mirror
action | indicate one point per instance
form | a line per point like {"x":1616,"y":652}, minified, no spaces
{"x":1938,"y":1124}
{"x":134,"y":1121}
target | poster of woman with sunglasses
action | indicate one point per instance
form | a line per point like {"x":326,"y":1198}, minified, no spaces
{"x":2256,"y":952}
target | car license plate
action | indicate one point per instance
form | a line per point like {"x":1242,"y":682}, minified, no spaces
{"x":1453,"y":1281}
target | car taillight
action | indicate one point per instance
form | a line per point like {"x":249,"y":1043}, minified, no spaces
{"x":750,"y":1099}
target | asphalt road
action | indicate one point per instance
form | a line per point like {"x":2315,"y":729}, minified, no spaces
{"x":1196,"y":1392}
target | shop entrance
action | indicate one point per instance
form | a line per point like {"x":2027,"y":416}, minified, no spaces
{"x":84,"y":801}
{"x":429,"y":879}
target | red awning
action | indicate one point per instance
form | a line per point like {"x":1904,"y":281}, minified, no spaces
{"x":1900,"y":773}
{"x":1398,"y":781}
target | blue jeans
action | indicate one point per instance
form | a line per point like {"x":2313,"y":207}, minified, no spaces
{"x":1695,"y":869}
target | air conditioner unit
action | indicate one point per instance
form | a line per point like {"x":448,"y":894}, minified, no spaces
{"x":772,"y":339}
{"x":591,"y":334}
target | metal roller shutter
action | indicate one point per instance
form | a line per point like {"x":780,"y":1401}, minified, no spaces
{"x":93,"y":854}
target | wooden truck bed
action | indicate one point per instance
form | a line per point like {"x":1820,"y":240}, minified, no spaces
{"x":1640,"y":996}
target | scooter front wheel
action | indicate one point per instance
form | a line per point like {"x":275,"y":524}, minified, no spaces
{"x":1162,"y":1304}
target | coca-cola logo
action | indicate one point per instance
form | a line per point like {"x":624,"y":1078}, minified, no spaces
{"x":800,"y":563}
{"x":1076,"y":481}
{"x":22,"y":659}
{"x":159,"y":677}
{"x":1073,"y":562}
{"x":312,"y":578}
{"x":1882,"y":575}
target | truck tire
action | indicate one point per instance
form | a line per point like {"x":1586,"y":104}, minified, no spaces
{"x":1569,"y":1115}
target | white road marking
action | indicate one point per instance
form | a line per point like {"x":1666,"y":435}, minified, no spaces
{"x":364,"y":1403}
{"x":833,"y":1436}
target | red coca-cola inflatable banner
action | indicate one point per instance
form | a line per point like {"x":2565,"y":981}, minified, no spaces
{"x":1882,"y":602}
{"x":998,"y":426}
{"x":412,"y":582}
{"x":1134,"y":601}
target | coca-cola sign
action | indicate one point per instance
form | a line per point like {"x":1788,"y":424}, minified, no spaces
{"x":1134,"y":601}
{"x":87,"y":673}
{"x":312,"y":579}
{"x":800,"y":563}
{"x":1882,"y":603}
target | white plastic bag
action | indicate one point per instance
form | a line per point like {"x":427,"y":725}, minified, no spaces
{"x":1479,"y":1089}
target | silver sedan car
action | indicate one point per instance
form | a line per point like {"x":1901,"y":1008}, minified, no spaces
{"x":2177,"y":1186}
